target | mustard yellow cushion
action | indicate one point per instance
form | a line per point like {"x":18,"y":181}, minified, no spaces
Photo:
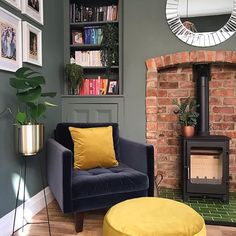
{"x":148,"y":216}
{"x":93,"y":147}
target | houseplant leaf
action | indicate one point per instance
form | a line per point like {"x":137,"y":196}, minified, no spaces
{"x":51,"y":94}
{"x":21,"y":117}
{"x":30,"y":95}
{"x":21,"y":71}
{"x":50,"y":104}
{"x":37,"y":111}
{"x":19,"y":84}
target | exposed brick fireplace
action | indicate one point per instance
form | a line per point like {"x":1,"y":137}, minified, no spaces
{"x":170,"y":77}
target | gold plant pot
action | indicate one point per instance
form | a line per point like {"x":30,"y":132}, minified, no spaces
{"x":29,"y":139}
{"x":188,"y":131}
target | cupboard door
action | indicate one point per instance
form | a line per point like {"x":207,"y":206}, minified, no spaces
{"x":91,"y":113}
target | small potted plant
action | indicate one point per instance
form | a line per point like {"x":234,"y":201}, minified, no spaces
{"x":187,"y":115}
{"x":74,"y":75}
{"x":31,"y":106}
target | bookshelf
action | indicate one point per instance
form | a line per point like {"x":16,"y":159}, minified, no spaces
{"x":88,"y":20}
{"x":93,"y":108}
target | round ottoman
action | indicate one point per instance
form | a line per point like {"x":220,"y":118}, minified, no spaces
{"x":150,"y":216}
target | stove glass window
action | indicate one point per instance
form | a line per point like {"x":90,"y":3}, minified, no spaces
{"x":206,"y":166}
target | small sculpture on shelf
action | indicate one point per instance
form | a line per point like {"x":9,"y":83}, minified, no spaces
{"x":74,"y":75}
{"x":187,"y":115}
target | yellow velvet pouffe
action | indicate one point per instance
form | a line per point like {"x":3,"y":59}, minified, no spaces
{"x":150,"y":216}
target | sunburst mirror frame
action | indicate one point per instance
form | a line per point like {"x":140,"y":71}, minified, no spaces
{"x":204,"y":39}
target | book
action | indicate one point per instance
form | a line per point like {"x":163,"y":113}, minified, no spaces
{"x":94,"y":86}
{"x":77,"y":37}
{"x":80,"y":13}
{"x":103,"y":86}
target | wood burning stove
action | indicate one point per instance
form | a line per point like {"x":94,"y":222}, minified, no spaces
{"x":205,"y":167}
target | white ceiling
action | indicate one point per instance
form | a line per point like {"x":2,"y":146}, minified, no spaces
{"x":204,"y":7}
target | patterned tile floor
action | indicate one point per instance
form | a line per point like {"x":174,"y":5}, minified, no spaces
{"x":213,"y":211}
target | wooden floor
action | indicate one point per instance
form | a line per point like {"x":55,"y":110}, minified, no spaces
{"x":62,"y":224}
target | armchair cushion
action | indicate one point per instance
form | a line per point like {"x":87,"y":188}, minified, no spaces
{"x":107,"y":181}
{"x":62,"y":134}
{"x":93,"y":147}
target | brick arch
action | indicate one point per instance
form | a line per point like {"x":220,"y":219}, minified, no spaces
{"x":170,"y":76}
{"x":175,"y":59}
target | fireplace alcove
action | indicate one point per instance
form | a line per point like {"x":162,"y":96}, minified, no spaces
{"x":170,"y":77}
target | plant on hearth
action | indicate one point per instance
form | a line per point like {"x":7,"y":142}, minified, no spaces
{"x":187,"y":111}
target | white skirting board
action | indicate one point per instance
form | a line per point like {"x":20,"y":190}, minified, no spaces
{"x":32,"y":207}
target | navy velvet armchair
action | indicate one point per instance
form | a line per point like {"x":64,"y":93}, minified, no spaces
{"x":78,"y":191}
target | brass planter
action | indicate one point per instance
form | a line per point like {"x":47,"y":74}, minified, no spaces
{"x":29,"y":139}
{"x":188,"y":131}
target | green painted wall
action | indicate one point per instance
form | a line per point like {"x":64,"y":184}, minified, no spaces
{"x":53,"y":58}
{"x":146,"y":34}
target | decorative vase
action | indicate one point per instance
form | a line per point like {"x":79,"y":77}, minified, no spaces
{"x":188,"y":131}
{"x":73,"y":91}
{"x":29,"y":139}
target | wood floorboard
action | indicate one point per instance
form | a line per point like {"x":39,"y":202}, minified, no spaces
{"x":63,"y":224}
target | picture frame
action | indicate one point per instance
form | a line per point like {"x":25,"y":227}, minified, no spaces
{"x":11,"y":41}
{"x":33,"y":9}
{"x":112,"y":87}
{"x":32,"y":44}
{"x":77,"y":37}
{"x":14,"y":3}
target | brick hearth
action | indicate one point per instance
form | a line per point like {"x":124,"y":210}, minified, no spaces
{"x":170,"y":77}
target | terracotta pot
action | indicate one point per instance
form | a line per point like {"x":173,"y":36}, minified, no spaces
{"x":188,"y":131}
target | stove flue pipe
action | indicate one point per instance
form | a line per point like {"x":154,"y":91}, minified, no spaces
{"x":201,"y":74}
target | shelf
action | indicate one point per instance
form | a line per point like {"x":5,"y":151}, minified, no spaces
{"x":99,"y":67}
{"x":91,"y":23}
{"x":93,"y":96}
{"x":73,"y":50}
{"x":85,"y":47}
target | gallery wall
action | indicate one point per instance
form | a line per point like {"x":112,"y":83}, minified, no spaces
{"x":52,"y":69}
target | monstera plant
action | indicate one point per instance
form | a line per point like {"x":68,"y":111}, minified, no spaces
{"x":31,"y":106}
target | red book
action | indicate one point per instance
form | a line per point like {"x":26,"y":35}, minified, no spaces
{"x":81,"y":91}
{"x":94,"y":86}
{"x":87,"y":87}
{"x":90,"y":86}
{"x":98,"y":84}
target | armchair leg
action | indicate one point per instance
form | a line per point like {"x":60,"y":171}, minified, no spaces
{"x":79,"y":221}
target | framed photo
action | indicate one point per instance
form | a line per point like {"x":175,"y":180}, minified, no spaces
{"x":32,"y":44}
{"x":14,"y":3}
{"x":77,"y":37}
{"x":112,"y":87}
{"x":11,"y":40}
{"x":34,"y":9}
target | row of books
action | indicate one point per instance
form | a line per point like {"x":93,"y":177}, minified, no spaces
{"x":89,"y":35}
{"x":80,"y":13}
{"x":88,"y":58}
{"x":94,"y":86}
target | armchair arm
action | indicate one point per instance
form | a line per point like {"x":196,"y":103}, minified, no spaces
{"x":59,"y":173}
{"x":139,"y":157}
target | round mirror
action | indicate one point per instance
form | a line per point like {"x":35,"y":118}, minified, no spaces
{"x":202,"y":23}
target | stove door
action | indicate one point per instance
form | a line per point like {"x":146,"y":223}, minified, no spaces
{"x":207,"y":168}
